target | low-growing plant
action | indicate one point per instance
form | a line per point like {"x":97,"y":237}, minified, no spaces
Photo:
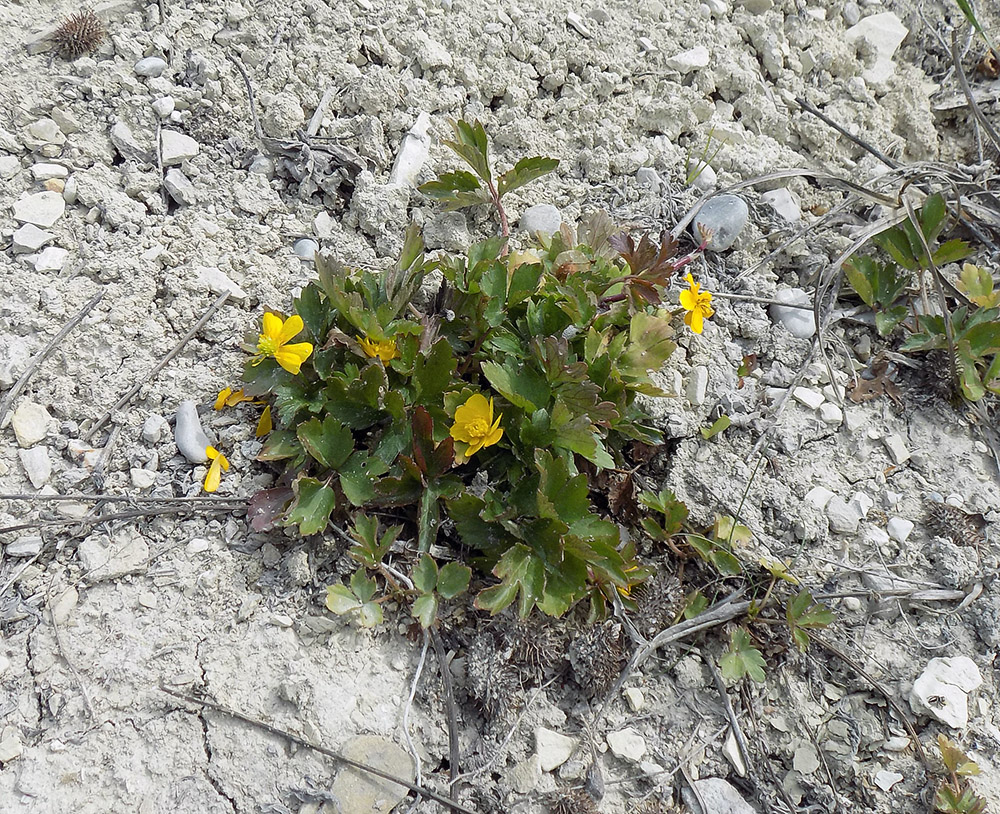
{"x":969,"y":333}
{"x":954,"y":795}
{"x":475,"y":410}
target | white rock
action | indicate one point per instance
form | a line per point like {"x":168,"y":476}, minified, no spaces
{"x":830,"y":413}
{"x":731,"y":752}
{"x":254,"y":195}
{"x":810,"y":398}
{"x":358,"y":791}
{"x":31,"y":423}
{"x":51,"y":259}
{"x":44,"y":171}
{"x":627,"y":744}
{"x":805,"y":759}
{"x":634,"y":698}
{"x":217,"y":281}
{"x":305,"y":248}
{"x":718,"y":7}
{"x":943,"y":688}
{"x":36,"y":465}
{"x":29,"y":238}
{"x":718,"y":796}
{"x":105,"y":559}
{"x":819,"y":496}
{"x":142,"y":478}
{"x":885,"y":33}
{"x":64,"y":606}
{"x":647,"y":45}
{"x":40,"y":208}
{"x":150,"y":66}
{"x":553,"y":749}
{"x":783,"y":202}
{"x":896,"y":447}
{"x":164,"y":106}
{"x":176,"y":148}
{"x":67,"y":122}
{"x":690,"y":60}
{"x":188,"y":433}
{"x":431,"y":54}
{"x":861,"y":503}
{"x":575,"y":21}
{"x":724,"y":216}
{"x":899,"y":529}
{"x":25,"y":547}
{"x":798,"y":322}
{"x":10,"y":746}
{"x":540,"y":219}
{"x":10,"y":166}
{"x":155,"y":429}
{"x":413,"y":153}
{"x":649,"y":177}
{"x":843,"y":519}
{"x":179,"y":188}
{"x":697,"y":384}
{"x":705,"y":177}
{"x":283,"y":115}
{"x":47,"y":131}
{"x":5,"y":662}
{"x":886,"y":780}
{"x":127,"y":146}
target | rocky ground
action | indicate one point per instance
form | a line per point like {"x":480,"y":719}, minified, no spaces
{"x":136,"y":173}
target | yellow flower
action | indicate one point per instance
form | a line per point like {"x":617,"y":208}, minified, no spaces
{"x":696,"y":303}
{"x":219,"y":464}
{"x":264,"y":426}
{"x":384,"y":349}
{"x":229,"y":398}
{"x":475,"y":427}
{"x":274,"y":342}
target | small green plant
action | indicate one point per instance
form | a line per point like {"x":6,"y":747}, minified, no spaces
{"x":461,"y":188}
{"x":970,"y":333}
{"x":697,"y":166}
{"x":476,"y":420}
{"x":803,"y":614}
{"x":954,"y":795}
{"x":742,"y":659}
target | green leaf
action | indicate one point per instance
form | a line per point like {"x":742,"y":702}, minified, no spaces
{"x":983,"y":339}
{"x":525,"y":171}
{"x":523,"y":283}
{"x":312,"y":506}
{"x":649,"y":345}
{"x":358,"y":476}
{"x":895,"y":242}
{"x":449,"y":183}
{"x":522,"y":386}
{"x":977,"y":284}
{"x":432,"y":371}
{"x":696,"y":605}
{"x":521,"y":573}
{"x":932,"y":215}
{"x":329,"y":441}
{"x":340,"y":600}
{"x":560,"y":495}
{"x":315,"y":313}
{"x":951,"y":252}
{"x":674,"y":511}
{"x":860,"y":272}
{"x":280,"y":445}
{"x":471,"y":146}
{"x":363,"y":586}
{"x":425,"y":574}
{"x":886,"y":321}
{"x":742,"y":659}
{"x":368,"y":549}
{"x":453,"y":579}
{"x":723,"y":422}
{"x":370,"y":614}
{"x":803,"y":614}
{"x":424,"y":610}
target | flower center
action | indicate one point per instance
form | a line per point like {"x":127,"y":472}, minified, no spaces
{"x":267,"y":345}
{"x":479,"y":427}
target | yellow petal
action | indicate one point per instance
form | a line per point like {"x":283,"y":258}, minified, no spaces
{"x":688,"y":300}
{"x":291,"y":357}
{"x":214,"y":476}
{"x":220,"y":400}
{"x":476,"y":407}
{"x":264,"y":426}
{"x":460,"y":432}
{"x":272,"y":326}
{"x":694,"y":320}
{"x":495,"y":435}
{"x":293,"y":327}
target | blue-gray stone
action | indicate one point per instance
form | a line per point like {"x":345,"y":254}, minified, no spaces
{"x":305,"y":248}
{"x":725,"y":216}
{"x":150,"y":66}
{"x":544,"y":218}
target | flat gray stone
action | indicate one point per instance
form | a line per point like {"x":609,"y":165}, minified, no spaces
{"x":254,"y":195}
{"x":41,"y":208}
{"x":37,"y":465}
{"x":29,"y":238}
{"x":553,"y":748}
{"x":51,"y":259}
{"x":362,"y":793}
{"x":724,"y":216}
{"x":718,"y":796}
{"x":179,"y":187}
{"x":105,"y":559}
{"x":690,"y":60}
{"x":176,"y":148}
{"x":799,"y":322}
{"x":150,"y":66}
{"x":25,"y":547}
